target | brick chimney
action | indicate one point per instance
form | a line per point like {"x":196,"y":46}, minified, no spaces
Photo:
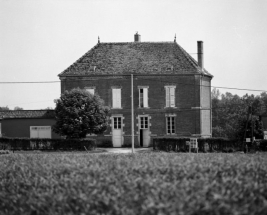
{"x":137,"y":37}
{"x":200,"y":54}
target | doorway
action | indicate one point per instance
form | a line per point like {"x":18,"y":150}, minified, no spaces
{"x":144,"y":137}
{"x":117,"y":132}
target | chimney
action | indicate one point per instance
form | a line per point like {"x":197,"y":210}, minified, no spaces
{"x":200,"y":54}
{"x":137,"y":37}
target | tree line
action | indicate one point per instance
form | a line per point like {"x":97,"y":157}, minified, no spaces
{"x":233,"y":115}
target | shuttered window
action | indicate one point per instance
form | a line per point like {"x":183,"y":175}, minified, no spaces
{"x":143,"y":97}
{"x":116,"y":98}
{"x":170,"y":96}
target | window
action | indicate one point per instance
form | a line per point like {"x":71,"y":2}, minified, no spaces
{"x":40,"y":131}
{"x":91,"y":90}
{"x":170,"y":96}
{"x":117,"y":123}
{"x":143,"y":122}
{"x":170,"y":124}
{"x":0,"y":130}
{"x":143,"y":97}
{"x":116,"y":98}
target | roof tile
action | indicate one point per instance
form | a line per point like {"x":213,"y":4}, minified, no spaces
{"x":135,"y":58}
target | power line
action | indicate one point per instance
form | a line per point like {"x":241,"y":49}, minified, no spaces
{"x":29,"y":82}
{"x":180,"y":83}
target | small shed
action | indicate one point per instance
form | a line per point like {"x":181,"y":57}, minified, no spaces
{"x":27,"y":124}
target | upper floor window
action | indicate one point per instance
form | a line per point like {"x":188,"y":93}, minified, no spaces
{"x":143,"y":97}
{"x":116,"y":98}
{"x":91,"y":90}
{"x":170,"y":96}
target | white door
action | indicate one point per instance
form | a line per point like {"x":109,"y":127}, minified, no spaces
{"x":144,"y":137}
{"x":117,"y":132}
{"x":40,"y":132}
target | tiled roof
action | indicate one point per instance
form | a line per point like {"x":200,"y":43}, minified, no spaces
{"x":135,"y":58}
{"x":27,"y":114}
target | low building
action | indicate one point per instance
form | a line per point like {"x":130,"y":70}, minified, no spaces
{"x":27,"y":124}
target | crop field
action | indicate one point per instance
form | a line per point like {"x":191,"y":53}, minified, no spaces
{"x":145,"y":183}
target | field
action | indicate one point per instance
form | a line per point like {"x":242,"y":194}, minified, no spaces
{"x":145,"y":183}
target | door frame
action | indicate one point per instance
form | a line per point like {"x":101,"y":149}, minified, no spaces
{"x":148,"y":128}
{"x":112,"y":128}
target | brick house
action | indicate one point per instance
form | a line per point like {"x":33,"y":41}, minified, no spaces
{"x":172,"y":95}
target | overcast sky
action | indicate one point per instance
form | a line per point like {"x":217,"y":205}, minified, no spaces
{"x":39,"y":39}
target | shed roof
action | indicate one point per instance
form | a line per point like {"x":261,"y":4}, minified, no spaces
{"x":27,"y":114}
{"x":135,"y":58}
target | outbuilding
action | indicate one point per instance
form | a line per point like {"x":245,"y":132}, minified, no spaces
{"x":27,"y":124}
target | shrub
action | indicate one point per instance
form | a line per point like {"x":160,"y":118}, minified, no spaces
{"x":48,"y":144}
{"x":178,"y":144}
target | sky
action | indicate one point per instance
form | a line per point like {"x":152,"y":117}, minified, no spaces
{"x":40,"y":39}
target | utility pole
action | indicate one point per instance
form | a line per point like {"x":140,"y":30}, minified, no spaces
{"x":132,"y":113}
{"x":248,"y":115}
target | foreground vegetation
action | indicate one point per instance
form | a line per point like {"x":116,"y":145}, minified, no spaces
{"x":148,"y":183}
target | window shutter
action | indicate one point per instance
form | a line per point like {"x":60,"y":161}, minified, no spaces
{"x":172,"y":97}
{"x":167,"y":97}
{"x":118,"y":102}
{"x":92,"y":91}
{"x":145,"y":91}
{"x":116,"y":96}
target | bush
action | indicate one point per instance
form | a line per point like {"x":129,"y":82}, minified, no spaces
{"x":105,"y":144}
{"x":47,"y":144}
{"x":178,"y":144}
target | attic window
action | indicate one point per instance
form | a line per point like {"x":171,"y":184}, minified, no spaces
{"x":92,"y":68}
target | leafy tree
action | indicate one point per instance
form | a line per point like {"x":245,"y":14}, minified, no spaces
{"x":18,"y":108}
{"x":4,"y":108}
{"x":79,"y":113}
{"x":229,"y":114}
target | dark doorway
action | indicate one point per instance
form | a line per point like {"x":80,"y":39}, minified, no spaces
{"x":141,"y":137}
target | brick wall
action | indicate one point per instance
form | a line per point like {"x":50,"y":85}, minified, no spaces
{"x":188,"y":120}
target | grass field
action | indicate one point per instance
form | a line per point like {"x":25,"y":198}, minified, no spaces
{"x":146,"y":183}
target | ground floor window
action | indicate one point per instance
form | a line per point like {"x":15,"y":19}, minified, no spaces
{"x":170,"y":124}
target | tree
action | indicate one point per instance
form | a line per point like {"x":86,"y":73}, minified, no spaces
{"x":79,"y":113}
{"x":18,"y":108}
{"x":229,"y":114}
{"x":4,"y":108}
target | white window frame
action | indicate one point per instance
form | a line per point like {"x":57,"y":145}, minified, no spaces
{"x":143,"y":96}
{"x":144,"y":122}
{"x":172,"y":120}
{"x":90,"y":90}
{"x":117,"y":122}
{"x":170,"y":95}
{"x":116,"y":98}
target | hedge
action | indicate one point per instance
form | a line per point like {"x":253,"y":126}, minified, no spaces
{"x":178,"y":144}
{"x":46,"y":144}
